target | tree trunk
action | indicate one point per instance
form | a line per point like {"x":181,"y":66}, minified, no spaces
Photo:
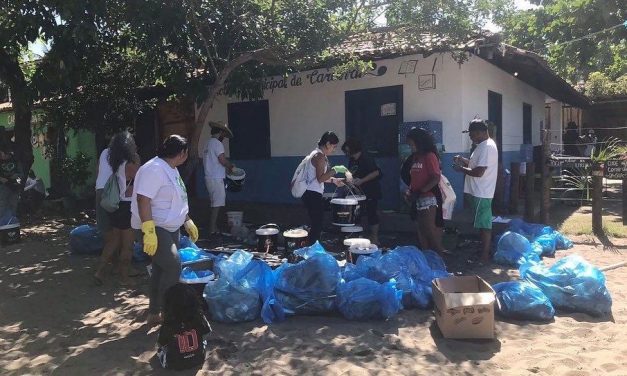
{"x":263,"y":55}
{"x":11,"y":73}
{"x":597,"y":199}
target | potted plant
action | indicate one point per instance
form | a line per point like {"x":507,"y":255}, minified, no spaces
{"x":75,"y":171}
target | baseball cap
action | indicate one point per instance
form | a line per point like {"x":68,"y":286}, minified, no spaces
{"x":476,"y":125}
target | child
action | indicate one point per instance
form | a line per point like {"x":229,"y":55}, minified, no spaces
{"x":181,"y":342}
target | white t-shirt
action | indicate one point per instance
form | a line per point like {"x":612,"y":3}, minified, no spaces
{"x":104,"y":169}
{"x":485,"y":155}
{"x":213,"y":167}
{"x":166,"y":190}
{"x":312,"y":180}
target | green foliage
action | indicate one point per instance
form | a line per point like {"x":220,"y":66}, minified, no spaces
{"x":612,"y":148}
{"x":600,"y":86}
{"x":76,"y":170}
{"x":555,"y":28}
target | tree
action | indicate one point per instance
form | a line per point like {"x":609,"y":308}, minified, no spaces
{"x":193,"y":48}
{"x":68,"y":25}
{"x":561,"y":30}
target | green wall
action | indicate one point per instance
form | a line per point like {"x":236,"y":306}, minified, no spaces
{"x":78,"y":142}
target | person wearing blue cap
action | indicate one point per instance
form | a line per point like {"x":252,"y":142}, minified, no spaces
{"x":481,"y":171}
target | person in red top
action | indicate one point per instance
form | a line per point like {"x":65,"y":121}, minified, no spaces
{"x":425,"y":175}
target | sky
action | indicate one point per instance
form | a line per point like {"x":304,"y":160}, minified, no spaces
{"x":520,"y":4}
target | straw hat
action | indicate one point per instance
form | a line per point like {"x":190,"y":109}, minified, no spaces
{"x":223,"y":126}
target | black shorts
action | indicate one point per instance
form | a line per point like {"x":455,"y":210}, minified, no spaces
{"x":121,"y":218}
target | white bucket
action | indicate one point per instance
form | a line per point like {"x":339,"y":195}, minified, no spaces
{"x":234,"y":218}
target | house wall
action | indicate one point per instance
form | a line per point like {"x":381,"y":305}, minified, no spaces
{"x":77,"y":142}
{"x":299,"y":114}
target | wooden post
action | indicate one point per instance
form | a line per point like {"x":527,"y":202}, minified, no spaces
{"x":514,"y":188}
{"x":624,"y":202}
{"x":546,"y":179}
{"x":529,"y":192}
{"x":597,"y":199}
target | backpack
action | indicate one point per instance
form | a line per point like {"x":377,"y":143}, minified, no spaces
{"x":298,"y":186}
{"x":185,"y":349}
{"x":448,"y":197}
{"x":110,"y":199}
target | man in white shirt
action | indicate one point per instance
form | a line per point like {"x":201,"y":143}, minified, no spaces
{"x":481,"y":171}
{"x":216,"y":164}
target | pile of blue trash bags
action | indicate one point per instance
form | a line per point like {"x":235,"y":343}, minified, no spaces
{"x":571,"y":284}
{"x":376,"y":287}
{"x":528,"y":242}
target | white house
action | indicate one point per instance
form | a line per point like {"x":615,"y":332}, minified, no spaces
{"x":412,"y":84}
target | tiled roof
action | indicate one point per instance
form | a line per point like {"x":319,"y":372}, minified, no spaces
{"x":389,"y":41}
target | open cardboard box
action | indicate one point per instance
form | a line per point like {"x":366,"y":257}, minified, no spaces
{"x":464,"y":307}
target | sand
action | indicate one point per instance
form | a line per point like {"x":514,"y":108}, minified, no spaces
{"x":54,"y":321}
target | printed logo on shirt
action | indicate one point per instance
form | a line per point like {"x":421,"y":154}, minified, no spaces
{"x":417,"y":166}
{"x":187,"y":341}
{"x":181,"y":184}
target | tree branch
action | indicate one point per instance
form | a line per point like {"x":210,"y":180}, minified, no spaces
{"x":212,"y":64}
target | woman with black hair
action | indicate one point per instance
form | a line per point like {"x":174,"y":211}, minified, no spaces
{"x":366,"y":176}
{"x":317,"y":173}
{"x":124,"y":162}
{"x":424,"y":179}
{"x":159,"y":209}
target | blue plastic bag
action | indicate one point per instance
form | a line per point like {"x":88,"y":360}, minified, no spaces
{"x":562,"y":242}
{"x":186,"y":242}
{"x":364,"y":299}
{"x":308,"y":287}
{"x":547,"y":242}
{"x":434,"y":260}
{"x":528,"y":230}
{"x":572,"y":284}
{"x":524,"y":301}
{"x":86,"y":240}
{"x":415,"y":262}
{"x":234,"y":296}
{"x":191,"y":254}
{"x":514,"y":249}
{"x":307,"y":252}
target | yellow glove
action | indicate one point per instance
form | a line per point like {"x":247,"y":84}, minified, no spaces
{"x":191,"y":229}
{"x":150,"y":238}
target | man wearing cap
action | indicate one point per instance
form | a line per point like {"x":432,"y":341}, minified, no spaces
{"x":215,"y":165}
{"x":481,"y":171}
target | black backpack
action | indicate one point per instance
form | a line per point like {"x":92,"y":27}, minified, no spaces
{"x":184,"y":349}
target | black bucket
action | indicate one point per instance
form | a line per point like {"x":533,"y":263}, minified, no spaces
{"x":343,"y":211}
{"x":10,"y":234}
{"x":267,"y":238}
{"x":295,"y":239}
{"x":235,"y":180}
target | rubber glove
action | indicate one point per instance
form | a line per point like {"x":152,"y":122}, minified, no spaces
{"x":191,"y":229}
{"x":340,"y":169}
{"x":150,"y":238}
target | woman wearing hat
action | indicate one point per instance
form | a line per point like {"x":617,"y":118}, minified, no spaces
{"x":215,"y":165}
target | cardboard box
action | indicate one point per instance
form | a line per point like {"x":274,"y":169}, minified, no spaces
{"x":464,"y":307}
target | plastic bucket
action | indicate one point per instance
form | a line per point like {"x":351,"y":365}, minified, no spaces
{"x":343,"y":211}
{"x":234,"y":218}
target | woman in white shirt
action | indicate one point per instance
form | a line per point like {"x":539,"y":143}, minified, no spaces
{"x":159,"y":208}
{"x":319,"y":172}
{"x":124,"y":162}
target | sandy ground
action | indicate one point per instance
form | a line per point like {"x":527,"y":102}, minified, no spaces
{"x":54,"y":321}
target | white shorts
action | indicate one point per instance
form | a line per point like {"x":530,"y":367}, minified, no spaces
{"x":217,"y":193}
